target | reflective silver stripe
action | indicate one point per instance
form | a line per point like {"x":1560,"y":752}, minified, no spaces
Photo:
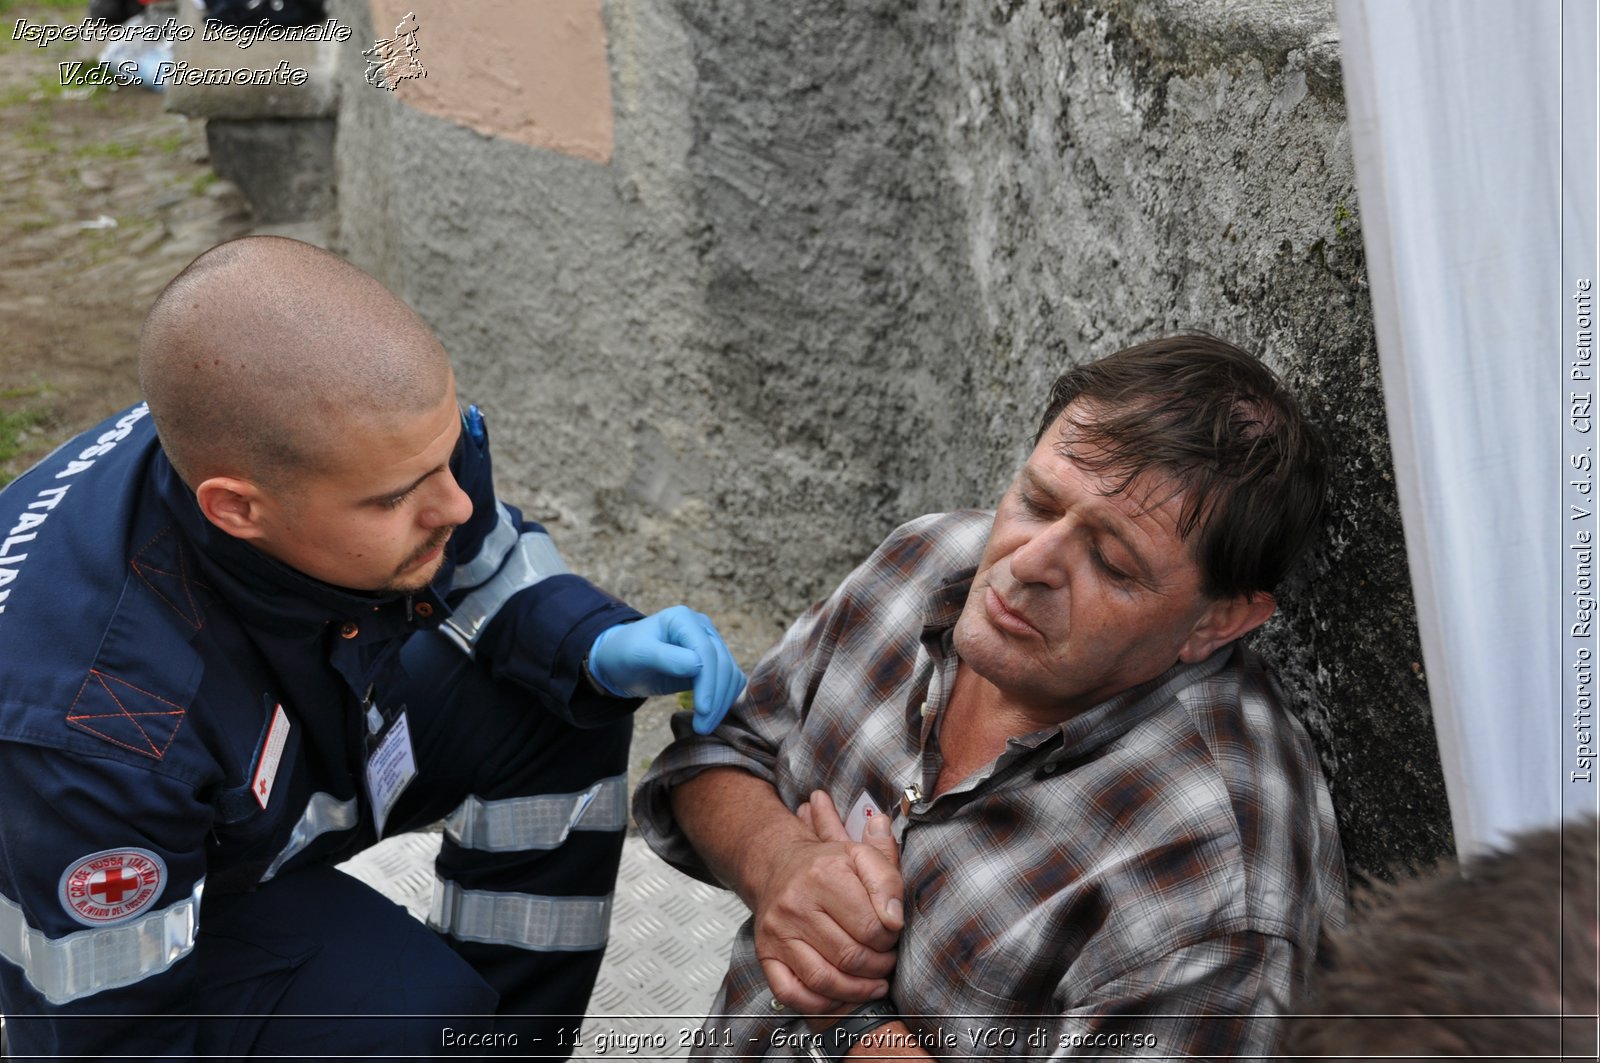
{"x":541,"y":822}
{"x":324,"y":813}
{"x":532,"y":559}
{"x":87,"y":961}
{"x":496,"y":545}
{"x":523,"y":920}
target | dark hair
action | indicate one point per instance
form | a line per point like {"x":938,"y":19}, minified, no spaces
{"x":1484,"y":961}
{"x":1223,"y":430}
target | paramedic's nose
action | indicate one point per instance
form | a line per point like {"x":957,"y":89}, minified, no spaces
{"x":451,"y":506}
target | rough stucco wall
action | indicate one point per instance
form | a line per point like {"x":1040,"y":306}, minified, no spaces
{"x":838,"y":253}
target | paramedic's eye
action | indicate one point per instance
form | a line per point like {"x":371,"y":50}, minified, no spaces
{"x":398,"y":500}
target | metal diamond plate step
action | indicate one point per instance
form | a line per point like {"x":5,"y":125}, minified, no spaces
{"x":668,"y":949}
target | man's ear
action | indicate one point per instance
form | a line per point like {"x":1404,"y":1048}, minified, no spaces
{"x":236,"y":506}
{"x":1223,"y":621}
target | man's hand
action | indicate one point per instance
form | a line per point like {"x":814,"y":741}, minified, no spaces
{"x":674,"y":650}
{"x":830,"y":914}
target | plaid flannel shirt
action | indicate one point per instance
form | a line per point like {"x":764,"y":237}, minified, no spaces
{"x":1146,"y":879}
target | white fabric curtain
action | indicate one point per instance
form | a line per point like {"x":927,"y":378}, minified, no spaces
{"x":1462,"y":118}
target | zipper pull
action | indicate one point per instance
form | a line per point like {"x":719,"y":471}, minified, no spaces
{"x":910,"y":796}
{"x":370,"y":711}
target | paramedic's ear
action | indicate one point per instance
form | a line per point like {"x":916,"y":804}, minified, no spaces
{"x":236,"y":506}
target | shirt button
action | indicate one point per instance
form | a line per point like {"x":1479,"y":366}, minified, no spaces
{"x":348,"y":630}
{"x":423,"y":609}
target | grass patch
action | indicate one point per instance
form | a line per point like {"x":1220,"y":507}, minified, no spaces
{"x":14,"y":429}
{"x":31,"y":203}
{"x":36,"y":134}
{"x":100,"y":245}
{"x":111,"y":149}
{"x":49,"y":85}
{"x":16,"y":95}
{"x":9,"y":7}
{"x":32,"y":391}
{"x":52,"y":87}
{"x":8,"y":29}
{"x":201,"y":182}
{"x":170,"y":144}
{"x":77,"y":11}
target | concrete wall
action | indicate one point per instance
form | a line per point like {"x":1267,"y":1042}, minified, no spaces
{"x":836,"y":254}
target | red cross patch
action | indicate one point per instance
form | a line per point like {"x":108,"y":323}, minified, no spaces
{"x":113,"y":885}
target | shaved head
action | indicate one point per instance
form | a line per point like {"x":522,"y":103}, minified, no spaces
{"x":259,"y":357}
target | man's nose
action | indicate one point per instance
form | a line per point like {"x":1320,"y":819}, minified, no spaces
{"x":1043,"y":558}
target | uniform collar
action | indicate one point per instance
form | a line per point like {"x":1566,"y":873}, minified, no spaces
{"x":272,"y":594}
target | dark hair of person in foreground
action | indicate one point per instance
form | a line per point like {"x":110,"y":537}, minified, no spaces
{"x":1494,"y":958}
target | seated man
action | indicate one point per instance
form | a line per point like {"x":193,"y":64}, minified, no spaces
{"x":1109,"y":834}
{"x":265,"y":619}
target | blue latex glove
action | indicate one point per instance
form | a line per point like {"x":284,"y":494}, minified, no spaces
{"x":674,"y":650}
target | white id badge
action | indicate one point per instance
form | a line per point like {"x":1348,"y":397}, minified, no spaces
{"x":390,"y":769}
{"x":271,"y":756}
{"x":855,"y":824}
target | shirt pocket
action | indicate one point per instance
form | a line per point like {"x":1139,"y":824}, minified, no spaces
{"x":980,"y":950}
{"x":966,"y":997}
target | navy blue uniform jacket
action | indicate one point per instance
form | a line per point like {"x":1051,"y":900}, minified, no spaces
{"x":144,"y":655}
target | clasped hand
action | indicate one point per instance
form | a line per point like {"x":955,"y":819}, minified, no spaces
{"x":828,"y":923}
{"x":676,"y":649}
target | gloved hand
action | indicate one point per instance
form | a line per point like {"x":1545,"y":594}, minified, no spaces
{"x":673,"y":650}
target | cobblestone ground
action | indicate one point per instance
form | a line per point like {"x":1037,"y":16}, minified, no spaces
{"x":104,"y":196}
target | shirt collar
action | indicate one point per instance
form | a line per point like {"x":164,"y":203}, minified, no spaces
{"x":1119,"y":714}
{"x":944,"y":605}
